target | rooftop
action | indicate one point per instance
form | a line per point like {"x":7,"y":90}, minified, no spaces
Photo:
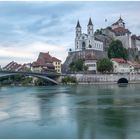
{"x":120,"y":30}
{"x":119,"y":60}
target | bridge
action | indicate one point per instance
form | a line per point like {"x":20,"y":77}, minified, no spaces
{"x":49,"y":76}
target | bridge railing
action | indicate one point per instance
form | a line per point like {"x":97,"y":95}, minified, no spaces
{"x":35,"y":73}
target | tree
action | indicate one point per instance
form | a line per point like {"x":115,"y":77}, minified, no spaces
{"x":98,"y":32}
{"x":116,"y":50}
{"x":104,"y":65}
{"x":77,"y":65}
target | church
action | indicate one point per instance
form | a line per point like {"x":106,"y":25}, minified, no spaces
{"x":87,"y":41}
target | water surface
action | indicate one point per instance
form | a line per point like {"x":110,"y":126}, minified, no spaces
{"x":83,"y":111}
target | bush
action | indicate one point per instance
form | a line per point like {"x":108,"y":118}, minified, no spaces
{"x":104,"y":65}
{"x":77,"y":65}
{"x":69,"y":79}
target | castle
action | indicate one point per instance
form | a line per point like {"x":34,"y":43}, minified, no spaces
{"x":87,"y":41}
{"x":118,"y":31}
{"x":92,"y":46}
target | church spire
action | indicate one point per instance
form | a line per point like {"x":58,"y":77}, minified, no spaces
{"x":78,"y":24}
{"x":90,"y":22}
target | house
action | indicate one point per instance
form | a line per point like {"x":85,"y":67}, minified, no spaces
{"x":134,"y":67}
{"x":120,"y":65}
{"x":46,"y":62}
{"x":57,"y":64}
{"x":90,"y":62}
{"x":12,"y":66}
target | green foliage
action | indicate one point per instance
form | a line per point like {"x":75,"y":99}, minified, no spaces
{"x":116,"y":50}
{"x":104,"y":65}
{"x":69,"y":79}
{"x":40,"y":82}
{"x":27,"y":80}
{"x":98,"y":32}
{"x":85,"y":67}
{"x":16,"y":80}
{"x":77,"y":65}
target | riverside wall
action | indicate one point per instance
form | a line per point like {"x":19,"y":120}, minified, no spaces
{"x":105,"y":78}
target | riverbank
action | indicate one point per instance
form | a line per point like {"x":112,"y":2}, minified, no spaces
{"x":105,"y":78}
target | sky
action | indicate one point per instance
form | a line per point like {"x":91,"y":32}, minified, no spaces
{"x":30,"y":27}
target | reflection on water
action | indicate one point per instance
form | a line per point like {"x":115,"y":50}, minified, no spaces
{"x":87,"y":111}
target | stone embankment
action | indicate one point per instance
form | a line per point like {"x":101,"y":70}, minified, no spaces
{"x":105,"y":78}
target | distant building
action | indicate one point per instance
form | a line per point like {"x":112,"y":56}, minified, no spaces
{"x":57,"y":64}
{"x":134,"y":67}
{"x":46,"y":62}
{"x":87,"y":41}
{"x":120,"y":65}
{"x":118,"y":31}
{"x":135,"y":42}
{"x":14,"y":66}
{"x":90,"y":62}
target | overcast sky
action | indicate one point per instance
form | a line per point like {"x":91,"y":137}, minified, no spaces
{"x":27,"y":28}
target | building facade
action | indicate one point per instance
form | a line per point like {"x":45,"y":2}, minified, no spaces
{"x":119,"y":31}
{"x":135,"y":42}
{"x":46,"y":62}
{"x":122,"y":33}
{"x":120,"y":65}
{"x":57,"y":64}
{"x":87,"y":41}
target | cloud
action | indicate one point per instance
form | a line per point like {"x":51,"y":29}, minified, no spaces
{"x":26,"y":28}
{"x":30,"y":52}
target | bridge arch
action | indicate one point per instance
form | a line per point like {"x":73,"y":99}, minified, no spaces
{"x":122,"y":81}
{"x":33,"y":75}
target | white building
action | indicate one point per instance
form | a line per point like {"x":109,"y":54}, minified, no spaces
{"x":120,"y":65}
{"x":135,"y":42}
{"x":86,"y":41}
{"x":91,"y":63}
{"x":134,"y":67}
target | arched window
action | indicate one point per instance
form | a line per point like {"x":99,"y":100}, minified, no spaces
{"x":90,"y":46}
{"x":83,"y":46}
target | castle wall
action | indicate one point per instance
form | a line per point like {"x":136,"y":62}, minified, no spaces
{"x":126,"y":40}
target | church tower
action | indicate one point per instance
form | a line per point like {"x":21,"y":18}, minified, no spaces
{"x":90,"y":28}
{"x":78,"y":29}
{"x":78,"y":35}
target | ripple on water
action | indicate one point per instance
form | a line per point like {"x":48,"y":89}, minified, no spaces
{"x":3,"y":116}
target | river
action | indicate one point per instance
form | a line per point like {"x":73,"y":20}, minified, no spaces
{"x":76,"y":111}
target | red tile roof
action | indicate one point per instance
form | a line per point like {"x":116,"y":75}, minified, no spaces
{"x":120,"y":30}
{"x":55,"y":59}
{"x":134,"y":64}
{"x":44,"y":59}
{"x":119,"y":60}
